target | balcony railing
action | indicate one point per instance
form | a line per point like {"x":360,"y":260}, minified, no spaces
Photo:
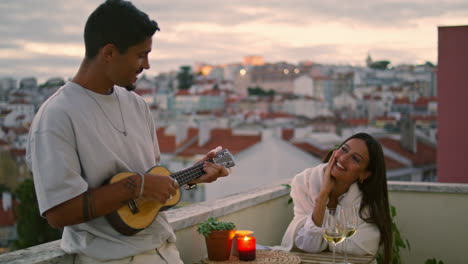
{"x":432,"y":216}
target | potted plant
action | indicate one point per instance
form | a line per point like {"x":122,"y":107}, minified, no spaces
{"x":218,"y":238}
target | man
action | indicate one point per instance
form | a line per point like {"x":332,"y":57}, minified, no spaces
{"x":92,"y":129}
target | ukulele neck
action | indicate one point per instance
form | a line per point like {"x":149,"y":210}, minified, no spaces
{"x":187,"y":175}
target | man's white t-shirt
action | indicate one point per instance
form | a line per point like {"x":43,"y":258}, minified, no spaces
{"x":76,"y":143}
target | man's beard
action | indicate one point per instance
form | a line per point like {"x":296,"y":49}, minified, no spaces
{"x":130,"y":87}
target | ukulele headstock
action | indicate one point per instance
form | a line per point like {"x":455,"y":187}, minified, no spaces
{"x":224,"y":158}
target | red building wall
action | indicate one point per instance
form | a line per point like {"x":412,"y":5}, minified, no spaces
{"x":452,"y":93}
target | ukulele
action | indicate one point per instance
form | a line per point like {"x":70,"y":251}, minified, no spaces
{"x":137,"y":215}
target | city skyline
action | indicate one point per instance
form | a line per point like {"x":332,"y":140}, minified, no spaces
{"x":45,"y":39}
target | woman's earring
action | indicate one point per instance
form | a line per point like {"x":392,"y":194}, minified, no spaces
{"x":361,"y":180}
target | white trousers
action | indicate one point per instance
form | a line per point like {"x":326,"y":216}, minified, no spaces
{"x":166,"y":254}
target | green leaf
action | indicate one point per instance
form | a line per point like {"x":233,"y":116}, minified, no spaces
{"x":32,"y":229}
{"x":433,"y":261}
{"x":393,"y":211}
{"x":212,"y":224}
{"x":408,"y":244}
{"x":398,"y":241}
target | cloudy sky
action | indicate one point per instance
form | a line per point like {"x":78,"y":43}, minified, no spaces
{"x":43,"y":38}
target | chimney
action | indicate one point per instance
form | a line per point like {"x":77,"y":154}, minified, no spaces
{"x":181,"y":132}
{"x":339,"y":127}
{"x":408,"y":137}
{"x":204,"y":132}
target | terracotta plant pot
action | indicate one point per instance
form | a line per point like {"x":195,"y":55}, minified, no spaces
{"x":218,"y":245}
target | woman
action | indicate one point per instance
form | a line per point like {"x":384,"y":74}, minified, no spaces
{"x":354,"y":175}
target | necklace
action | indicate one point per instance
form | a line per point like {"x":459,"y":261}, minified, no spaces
{"x":124,"y":131}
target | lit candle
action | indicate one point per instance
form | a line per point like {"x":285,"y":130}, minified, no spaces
{"x":246,"y":247}
{"x":239,"y":233}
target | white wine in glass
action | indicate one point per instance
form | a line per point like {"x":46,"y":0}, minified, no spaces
{"x":351,"y":218}
{"x":334,"y":228}
{"x":350,"y":231}
{"x":334,"y":237}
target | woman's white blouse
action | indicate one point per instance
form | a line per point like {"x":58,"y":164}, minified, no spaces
{"x":302,"y":231}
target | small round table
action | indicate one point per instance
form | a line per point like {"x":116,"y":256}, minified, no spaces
{"x":263,"y":257}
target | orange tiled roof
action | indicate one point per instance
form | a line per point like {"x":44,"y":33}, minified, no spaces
{"x":231,"y":100}
{"x":318,"y":77}
{"x":395,"y":89}
{"x":20,"y":130}
{"x":182,"y":92}
{"x":425,"y":154}
{"x":404,"y":100}
{"x":287,"y":133}
{"x":385,"y":118}
{"x":223,"y":137}
{"x":392,"y":164}
{"x":313,"y":150}
{"x":424,"y":117}
{"x":19,"y":101}
{"x":423,"y":100}
{"x":357,"y":122}
{"x":5,"y":111}
{"x":368,"y":97}
{"x":167,"y":143}
{"x":205,"y":81}
{"x":275,"y":115}
{"x":17,"y":152}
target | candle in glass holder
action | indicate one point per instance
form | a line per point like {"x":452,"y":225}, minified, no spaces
{"x":246,"y":247}
{"x":239,"y":233}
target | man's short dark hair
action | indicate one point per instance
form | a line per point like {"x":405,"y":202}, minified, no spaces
{"x":117,"y":22}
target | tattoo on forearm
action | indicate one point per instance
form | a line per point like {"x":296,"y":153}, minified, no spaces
{"x":130,"y":185}
{"x":89,"y":209}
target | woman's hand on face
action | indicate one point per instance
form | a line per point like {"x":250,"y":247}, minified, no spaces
{"x":329,"y":180}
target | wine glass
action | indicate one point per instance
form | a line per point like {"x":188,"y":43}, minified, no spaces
{"x":351,"y":222}
{"x":333,"y":227}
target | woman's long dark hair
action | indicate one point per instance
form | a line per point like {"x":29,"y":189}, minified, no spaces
{"x":374,"y":192}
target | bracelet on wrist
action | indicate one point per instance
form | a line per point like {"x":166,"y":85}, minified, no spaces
{"x":189,"y":186}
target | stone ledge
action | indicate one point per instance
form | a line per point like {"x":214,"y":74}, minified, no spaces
{"x":428,"y":187}
{"x":51,"y":253}
{"x":193,"y":214}
{"x":48,"y":253}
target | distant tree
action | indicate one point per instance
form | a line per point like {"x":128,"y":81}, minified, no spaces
{"x":380,"y":65}
{"x":185,"y":77}
{"x":4,"y":188}
{"x":368,"y":60}
{"x":429,"y":64}
{"x":257,"y":90}
{"x":391,"y":128}
{"x":254,"y":90}
{"x":270,"y":92}
{"x":32,"y":229}
{"x":11,"y":171}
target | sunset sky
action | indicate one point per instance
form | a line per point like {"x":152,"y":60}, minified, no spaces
{"x":43,"y":38}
